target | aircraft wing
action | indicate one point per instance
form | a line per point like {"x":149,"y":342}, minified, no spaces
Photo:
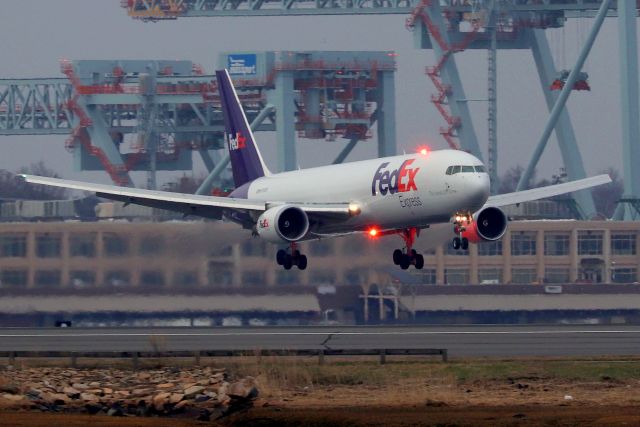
{"x":188,"y":204}
{"x":548,"y":191}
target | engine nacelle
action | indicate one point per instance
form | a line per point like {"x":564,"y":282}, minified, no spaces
{"x":284,"y":223}
{"x":489,"y":224}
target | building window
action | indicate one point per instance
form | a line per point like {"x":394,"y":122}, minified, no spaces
{"x":80,"y":279}
{"x":254,"y":247}
{"x":185,"y":278}
{"x":115,"y":246}
{"x":151,"y":245}
{"x":490,"y":248}
{"x":523,"y":275}
{"x":356,"y":276}
{"x":291,"y":277}
{"x":47,"y":278}
{"x":456,"y":276}
{"x":253,"y":278}
{"x":48,"y":245}
{"x":220,"y":274}
{"x":624,"y":275}
{"x":13,"y":278}
{"x":117,"y":278}
{"x":623,"y":244}
{"x":556,"y":244}
{"x":557,"y":275}
{"x":490,"y":275}
{"x":590,"y":243}
{"x":152,"y":278}
{"x":523,"y":243}
{"x":82,"y":245}
{"x":13,"y":245}
{"x":448,"y":250}
{"x":426,"y":276}
{"x":321,"y":248}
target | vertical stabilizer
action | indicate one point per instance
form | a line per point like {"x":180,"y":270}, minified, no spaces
{"x":246,"y":161}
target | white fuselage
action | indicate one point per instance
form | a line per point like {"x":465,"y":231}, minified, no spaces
{"x":389,"y":195}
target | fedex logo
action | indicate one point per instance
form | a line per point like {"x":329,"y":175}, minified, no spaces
{"x":400,"y":180}
{"x":263,"y":223}
{"x":237,"y":142}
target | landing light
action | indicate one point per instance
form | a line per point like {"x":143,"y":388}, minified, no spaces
{"x":373,"y":232}
{"x":354,"y":209}
{"x":423,"y":150}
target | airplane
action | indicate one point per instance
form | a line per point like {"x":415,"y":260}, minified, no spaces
{"x":441,"y":193}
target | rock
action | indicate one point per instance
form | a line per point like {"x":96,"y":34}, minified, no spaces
{"x":71,"y":392}
{"x":79,"y":386}
{"x":93,"y":408}
{"x":193,"y":390}
{"x":57,"y":398}
{"x":166,"y":385}
{"x":13,"y":397}
{"x":180,"y":405}
{"x":243,"y":389}
{"x":175,"y":398}
{"x":159,"y":400}
{"x":10,"y":388}
{"x":211,"y":394}
{"x":107,"y":390}
{"x":204,"y":415}
{"x":201,"y":398}
{"x":33,"y":394}
{"x":115,"y":411}
{"x":144,"y":376}
{"x":94,"y":384}
{"x":123,"y":393}
{"x":89,"y":397}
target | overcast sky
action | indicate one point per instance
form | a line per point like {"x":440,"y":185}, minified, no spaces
{"x":36,"y":34}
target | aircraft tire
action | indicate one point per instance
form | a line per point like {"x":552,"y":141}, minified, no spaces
{"x":302,"y":262}
{"x":280,"y":256}
{"x":397,"y":256}
{"x":288,"y":262}
{"x":464,"y":244}
{"x":405,"y":262}
{"x":419,"y":261}
{"x":455,"y":243}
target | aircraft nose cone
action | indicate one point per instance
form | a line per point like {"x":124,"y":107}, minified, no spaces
{"x":479,"y":189}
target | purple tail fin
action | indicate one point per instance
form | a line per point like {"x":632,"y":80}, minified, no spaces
{"x":246,"y":162}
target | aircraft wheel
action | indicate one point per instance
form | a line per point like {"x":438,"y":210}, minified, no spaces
{"x":302,"y":262}
{"x":280,"y":256}
{"x":288,"y":262}
{"x":464,"y":244}
{"x":397,"y":256}
{"x":405,"y":262}
{"x":413,"y":254}
{"x":455,"y":243}
{"x":419,"y":261}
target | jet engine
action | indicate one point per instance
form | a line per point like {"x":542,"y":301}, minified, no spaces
{"x":488,"y":224}
{"x":283,"y":224}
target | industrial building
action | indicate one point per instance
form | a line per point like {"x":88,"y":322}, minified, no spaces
{"x":184,"y":255}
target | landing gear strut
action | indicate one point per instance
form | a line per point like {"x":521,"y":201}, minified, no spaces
{"x":461,"y":220}
{"x":288,"y":260}
{"x":409,"y":256}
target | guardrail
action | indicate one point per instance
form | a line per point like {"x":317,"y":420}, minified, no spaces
{"x":197,"y":355}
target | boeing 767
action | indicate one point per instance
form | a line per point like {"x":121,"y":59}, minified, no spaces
{"x":442,"y":194}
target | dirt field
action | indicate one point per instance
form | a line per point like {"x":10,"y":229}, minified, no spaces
{"x":412,"y":393}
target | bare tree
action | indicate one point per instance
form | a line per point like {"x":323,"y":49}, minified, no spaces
{"x":14,"y":187}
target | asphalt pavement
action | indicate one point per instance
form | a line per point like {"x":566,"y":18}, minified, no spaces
{"x":460,"y":341}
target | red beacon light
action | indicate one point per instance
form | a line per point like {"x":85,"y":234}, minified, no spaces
{"x":423,"y":150}
{"x":373,"y":232}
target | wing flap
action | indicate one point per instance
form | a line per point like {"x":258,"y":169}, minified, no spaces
{"x":548,"y":191}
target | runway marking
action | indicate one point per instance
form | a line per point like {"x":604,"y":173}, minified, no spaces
{"x":230,"y":334}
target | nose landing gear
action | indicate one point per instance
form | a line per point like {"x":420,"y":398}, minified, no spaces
{"x":409,"y":256}
{"x":288,"y":260}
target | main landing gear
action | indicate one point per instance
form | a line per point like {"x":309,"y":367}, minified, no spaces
{"x":288,"y":260}
{"x":404,"y":258}
{"x":460,"y":222}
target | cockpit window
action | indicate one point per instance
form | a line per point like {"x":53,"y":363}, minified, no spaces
{"x":456,"y":169}
{"x":480,"y":169}
{"x":452,"y":170}
{"x":449,"y":170}
{"x":468,"y":169}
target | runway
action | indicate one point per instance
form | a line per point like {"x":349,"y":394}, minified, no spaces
{"x":460,"y":341}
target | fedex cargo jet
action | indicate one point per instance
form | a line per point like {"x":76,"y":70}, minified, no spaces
{"x":442,"y":194}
